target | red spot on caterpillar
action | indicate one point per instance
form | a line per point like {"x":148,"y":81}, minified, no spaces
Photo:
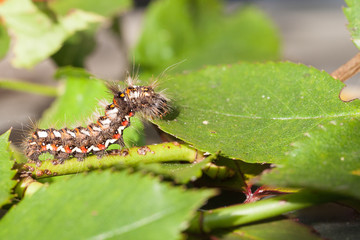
{"x":53,"y":147}
{"x":125,"y":123}
{"x":116,"y":136}
{"x":67,"y":149}
{"x":83,"y":149}
{"x":43,"y":147}
{"x":101,"y":146}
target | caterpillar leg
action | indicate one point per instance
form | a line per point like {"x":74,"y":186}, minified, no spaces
{"x":100,"y":154}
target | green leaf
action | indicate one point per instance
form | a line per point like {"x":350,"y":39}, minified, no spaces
{"x":200,"y":33}
{"x":37,"y":34}
{"x":4,"y":41}
{"x":251,"y":111}
{"x":6,"y":174}
{"x":106,"y":8}
{"x":103,"y":206}
{"x":79,"y":100}
{"x":280,"y":229}
{"x":352,"y":13}
{"x":180,"y":172}
{"x":327,"y":160}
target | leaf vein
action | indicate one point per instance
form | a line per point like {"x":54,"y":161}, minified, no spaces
{"x":129,"y":227}
{"x":276,"y":118}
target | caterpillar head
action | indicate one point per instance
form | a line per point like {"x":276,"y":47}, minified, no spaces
{"x":145,"y":100}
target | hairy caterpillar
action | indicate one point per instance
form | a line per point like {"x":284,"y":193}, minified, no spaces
{"x":107,"y":130}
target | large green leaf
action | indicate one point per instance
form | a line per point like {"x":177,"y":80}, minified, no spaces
{"x":200,"y":33}
{"x":6,"y":174}
{"x":352,"y":13}
{"x":37,"y":34}
{"x":4,"y":41}
{"x":103,"y":206}
{"x":79,"y":99}
{"x":281,"y":229}
{"x":327,"y":160}
{"x":250,"y":111}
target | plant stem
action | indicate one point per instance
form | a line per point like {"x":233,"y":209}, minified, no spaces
{"x":28,"y":87}
{"x":164,"y":152}
{"x":207,"y":221}
{"x":27,"y":187}
{"x":347,"y":70}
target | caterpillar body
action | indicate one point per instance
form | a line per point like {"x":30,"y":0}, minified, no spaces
{"x":96,"y":137}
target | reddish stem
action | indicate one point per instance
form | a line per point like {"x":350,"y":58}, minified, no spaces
{"x":348,"y":70}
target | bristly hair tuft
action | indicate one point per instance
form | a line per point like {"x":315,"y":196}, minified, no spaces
{"x":113,"y":87}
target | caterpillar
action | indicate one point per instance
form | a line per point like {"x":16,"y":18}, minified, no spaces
{"x":96,"y":137}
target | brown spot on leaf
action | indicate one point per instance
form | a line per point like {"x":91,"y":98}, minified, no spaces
{"x":124,"y":152}
{"x":143,"y":150}
{"x":39,"y":173}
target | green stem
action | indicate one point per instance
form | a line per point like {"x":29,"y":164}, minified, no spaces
{"x":207,"y":221}
{"x":164,"y":152}
{"x":27,"y":187}
{"x":28,"y":87}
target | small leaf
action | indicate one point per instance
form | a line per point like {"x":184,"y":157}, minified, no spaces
{"x":80,"y":100}
{"x":327,"y":160}
{"x":280,"y":229}
{"x":4,"y":40}
{"x":250,"y":111}
{"x":6,"y":174}
{"x":180,"y":172}
{"x":200,"y":33}
{"x":102,"y":206}
{"x":37,"y":35}
{"x":352,"y":13}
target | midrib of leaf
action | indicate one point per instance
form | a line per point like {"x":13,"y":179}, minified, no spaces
{"x":134,"y":225}
{"x":275,"y":118}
